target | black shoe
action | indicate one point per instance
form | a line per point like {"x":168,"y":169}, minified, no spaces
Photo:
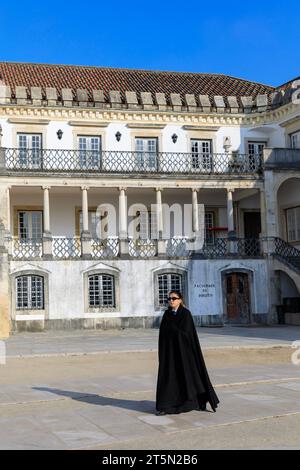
{"x":160,"y":413}
{"x":202,"y":407}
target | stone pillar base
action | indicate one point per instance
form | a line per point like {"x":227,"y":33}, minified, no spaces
{"x":86,"y":245}
{"x":124,"y":246}
{"x":47,"y":245}
{"x":161,"y":247}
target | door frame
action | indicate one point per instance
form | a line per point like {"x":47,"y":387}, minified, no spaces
{"x":242,"y":220}
{"x":250,"y":274}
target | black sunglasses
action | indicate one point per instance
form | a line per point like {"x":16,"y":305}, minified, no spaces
{"x":173,"y":298}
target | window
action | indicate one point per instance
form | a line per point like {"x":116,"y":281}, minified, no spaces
{"x":201,"y":154}
{"x":147,"y":226}
{"x":293,"y":224}
{"x":295,"y":140}
{"x":166,"y":283}
{"x":255,"y":152}
{"x":146,"y":153}
{"x":89,"y":151}
{"x":209,"y":222}
{"x":101,"y":291}
{"x":29,"y":292}
{"x":30,"y":225}
{"x":30,"y":150}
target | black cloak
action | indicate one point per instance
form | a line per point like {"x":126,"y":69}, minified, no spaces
{"x":183,"y":383}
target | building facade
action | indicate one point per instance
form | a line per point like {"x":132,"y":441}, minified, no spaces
{"x":108,"y":176}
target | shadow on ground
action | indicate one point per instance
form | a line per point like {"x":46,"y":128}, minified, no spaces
{"x":144,"y":406}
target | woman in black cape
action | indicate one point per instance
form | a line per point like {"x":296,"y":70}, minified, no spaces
{"x":183,"y":383}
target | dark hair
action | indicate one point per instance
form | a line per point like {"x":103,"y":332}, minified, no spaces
{"x":179,"y":294}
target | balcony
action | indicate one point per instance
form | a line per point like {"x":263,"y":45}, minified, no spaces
{"x":64,"y":248}
{"x":123,"y":162}
{"x":282,"y":159}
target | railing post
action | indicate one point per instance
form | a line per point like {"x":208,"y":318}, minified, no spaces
{"x":268,"y":245}
{"x":47,"y":246}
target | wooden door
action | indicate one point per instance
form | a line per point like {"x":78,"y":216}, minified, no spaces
{"x":237,"y":298}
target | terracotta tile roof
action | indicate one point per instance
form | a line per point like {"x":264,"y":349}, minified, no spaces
{"x":106,"y":79}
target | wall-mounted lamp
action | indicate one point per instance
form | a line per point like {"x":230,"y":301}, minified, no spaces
{"x":59,"y":134}
{"x":118,"y":136}
{"x":174,"y":138}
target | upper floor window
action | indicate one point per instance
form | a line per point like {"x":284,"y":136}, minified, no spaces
{"x":30,"y":146}
{"x":255,"y":152}
{"x":98,"y":225}
{"x":147,"y":226}
{"x":146,"y":152}
{"x":29,"y":292}
{"x":89,"y":151}
{"x":209,"y":223}
{"x":256,"y":148}
{"x":293,"y":224}
{"x":101,"y":290}
{"x":295,"y":140}
{"x":201,"y":154}
{"x":30,"y":225}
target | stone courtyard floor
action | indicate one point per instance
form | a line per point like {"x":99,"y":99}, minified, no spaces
{"x":96,"y":390}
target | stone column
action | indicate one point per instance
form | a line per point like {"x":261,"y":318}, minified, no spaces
{"x":47,"y":236}
{"x":230,"y":219}
{"x":8,"y":224}
{"x":46,"y":210}
{"x":195,"y":214}
{"x":267,"y":244}
{"x":230,"y":222}
{"x":4,"y":264}
{"x":161,"y":244}
{"x":263,"y":213}
{"x":123,"y":225}
{"x":2,"y":155}
{"x":85,"y":236}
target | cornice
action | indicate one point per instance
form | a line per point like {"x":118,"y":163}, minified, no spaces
{"x":101,"y":117}
{"x":128,"y":116}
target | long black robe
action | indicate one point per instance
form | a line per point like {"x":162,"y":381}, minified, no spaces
{"x":183,"y":383}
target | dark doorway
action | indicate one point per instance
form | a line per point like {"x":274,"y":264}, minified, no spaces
{"x":237,"y":297}
{"x":252,"y":229}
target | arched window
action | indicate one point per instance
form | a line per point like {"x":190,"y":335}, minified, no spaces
{"x":166,"y":283}
{"x":101,"y":290}
{"x":29,"y":292}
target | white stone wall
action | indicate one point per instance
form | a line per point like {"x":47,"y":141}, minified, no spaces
{"x":237,"y":135}
{"x":137,"y":290}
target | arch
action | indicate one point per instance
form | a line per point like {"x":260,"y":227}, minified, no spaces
{"x":288,"y":208}
{"x":249,"y":284}
{"x":282,"y":179}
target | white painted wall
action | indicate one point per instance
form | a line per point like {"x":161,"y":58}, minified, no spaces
{"x":66,"y":290}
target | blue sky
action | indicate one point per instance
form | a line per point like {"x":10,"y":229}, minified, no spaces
{"x":258,"y":41}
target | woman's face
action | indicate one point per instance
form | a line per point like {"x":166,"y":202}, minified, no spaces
{"x":174,"y":300}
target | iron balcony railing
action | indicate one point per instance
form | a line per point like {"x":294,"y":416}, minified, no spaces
{"x":63,"y":248}
{"x":287,"y":253}
{"x":59,"y":161}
